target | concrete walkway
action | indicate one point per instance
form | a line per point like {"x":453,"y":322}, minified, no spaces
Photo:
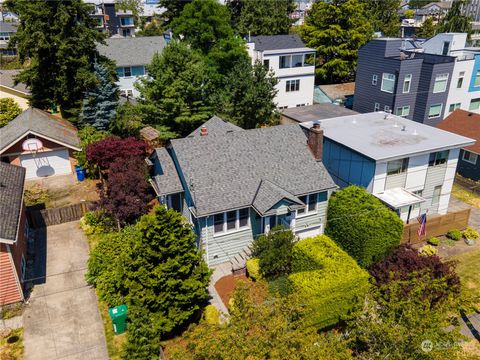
{"x":62,"y":320}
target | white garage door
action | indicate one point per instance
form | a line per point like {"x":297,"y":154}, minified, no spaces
{"x":46,"y":163}
{"x":309,"y":232}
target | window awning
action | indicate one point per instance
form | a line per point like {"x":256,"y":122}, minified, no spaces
{"x":399,"y":197}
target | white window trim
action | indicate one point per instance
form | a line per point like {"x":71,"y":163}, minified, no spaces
{"x":376,"y":107}
{"x":374,"y":79}
{"x":455,"y":107}
{"x":307,"y":213}
{"x":402,"y":108}
{"x":446,"y":83}
{"x":386,"y":108}
{"x":237,"y":224}
{"x":384,"y":75}
{"x":405,"y":80}
{"x":439,"y":113}
{"x":468,"y":160}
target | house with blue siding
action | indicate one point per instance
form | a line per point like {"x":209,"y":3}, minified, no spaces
{"x":233,"y":184}
{"x":408,"y":165}
{"x":131,"y":56}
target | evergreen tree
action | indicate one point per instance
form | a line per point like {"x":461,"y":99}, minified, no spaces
{"x":455,"y":20}
{"x":266,"y":17}
{"x":427,"y":30}
{"x":203,"y":23}
{"x":100,"y":103}
{"x":59,"y":39}
{"x":9,"y":110}
{"x":173,"y":9}
{"x":336,"y":30}
{"x":384,"y":15}
{"x":179,"y":88}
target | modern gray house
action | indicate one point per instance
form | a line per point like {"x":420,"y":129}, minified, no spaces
{"x":233,"y":184}
{"x":393,"y":75}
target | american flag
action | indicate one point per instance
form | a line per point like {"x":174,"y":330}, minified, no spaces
{"x":422,"y":219}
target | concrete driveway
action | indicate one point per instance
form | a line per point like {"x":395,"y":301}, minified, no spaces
{"x":62,"y":320}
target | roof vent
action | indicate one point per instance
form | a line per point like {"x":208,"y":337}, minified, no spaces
{"x":415,"y":132}
{"x":203,"y":131}
{"x":404,"y":127}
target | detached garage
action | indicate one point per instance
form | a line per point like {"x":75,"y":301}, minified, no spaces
{"x":41,"y":143}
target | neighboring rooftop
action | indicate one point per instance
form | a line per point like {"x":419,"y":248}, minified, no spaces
{"x":277,"y":42}
{"x":40,"y":123}
{"x":12,"y":180}
{"x":216,"y":126}
{"x":132,"y":51}
{"x":227,"y":172}
{"x":7,"y":80}
{"x":8,"y":26}
{"x":338,"y":91}
{"x":316,"y":112}
{"x":382,"y":136}
{"x":463,"y":123}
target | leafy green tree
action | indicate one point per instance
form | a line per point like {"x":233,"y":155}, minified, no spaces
{"x":202,"y":24}
{"x":409,"y":13}
{"x":100,"y":104}
{"x":455,"y":20}
{"x":384,"y":14}
{"x":153,"y":28}
{"x":173,"y":9}
{"x":266,"y":17}
{"x":247,"y":96}
{"x":336,"y":30}
{"x":135,"y":6}
{"x":427,"y":30}
{"x":260,"y":327}
{"x":59,"y":39}
{"x":9,"y":110}
{"x":362,"y":225}
{"x":179,"y":89}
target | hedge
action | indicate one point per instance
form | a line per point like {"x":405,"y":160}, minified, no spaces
{"x":362,"y":225}
{"x":330,"y":282}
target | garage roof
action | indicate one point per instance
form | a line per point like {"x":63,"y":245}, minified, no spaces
{"x":41,"y":123}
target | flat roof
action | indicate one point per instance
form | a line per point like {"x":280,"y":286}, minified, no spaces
{"x":383,"y":136}
{"x":399,"y":197}
{"x":316,"y":112}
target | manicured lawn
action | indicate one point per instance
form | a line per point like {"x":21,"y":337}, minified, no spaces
{"x":11,"y":346}
{"x":468,"y":268}
{"x":466,"y":195}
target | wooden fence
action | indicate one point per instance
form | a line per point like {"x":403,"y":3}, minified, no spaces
{"x":436,"y":225}
{"x":38,"y":218}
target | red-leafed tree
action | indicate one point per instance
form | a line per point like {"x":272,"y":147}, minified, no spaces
{"x":104,"y":152}
{"x":125,"y":194}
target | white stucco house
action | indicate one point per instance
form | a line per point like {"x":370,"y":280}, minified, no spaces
{"x":292,"y":62}
{"x":131,"y":55}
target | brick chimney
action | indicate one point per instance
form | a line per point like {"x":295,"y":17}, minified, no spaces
{"x":203,"y":131}
{"x":315,"y":141}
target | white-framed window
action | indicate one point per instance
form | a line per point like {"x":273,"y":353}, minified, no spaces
{"x":376,"y":107}
{"x":407,"y":81}
{"x":440,"y":84}
{"x":386,"y":108}
{"x":388,"y":83}
{"x":474,"y":104}
{"x":454,"y":107}
{"x":435,"y":111}
{"x":374,"y":79}
{"x":292,"y":85}
{"x":461,"y":75}
{"x":469,"y":157}
{"x":477,"y":79}
{"x":438,"y":158}
{"x":403,"y":110}
{"x":437,"y":191}
{"x":418,"y":193}
{"x":127,"y":71}
{"x":395,"y":167}
{"x":296,"y":60}
{"x":311,"y":204}
{"x":231,"y":221}
{"x":300,"y":105}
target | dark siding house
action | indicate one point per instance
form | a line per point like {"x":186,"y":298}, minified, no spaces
{"x":466,"y":123}
{"x":390,"y":78}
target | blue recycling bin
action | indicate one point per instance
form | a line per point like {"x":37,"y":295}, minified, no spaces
{"x":80,"y":173}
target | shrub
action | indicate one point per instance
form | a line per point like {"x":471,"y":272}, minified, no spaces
{"x":35,"y":195}
{"x":274,"y":252}
{"x":253,"y":268}
{"x":433,"y":241}
{"x":96,"y":222}
{"x":470,"y":233}
{"x":454,"y":234}
{"x":211,"y":315}
{"x":328,"y":280}
{"x":428,"y":250}
{"x":9,"y":110}
{"x":364,"y":227}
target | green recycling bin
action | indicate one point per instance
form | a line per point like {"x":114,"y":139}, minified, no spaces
{"x":118,"y":314}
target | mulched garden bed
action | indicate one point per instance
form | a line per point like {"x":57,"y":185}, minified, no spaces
{"x":226,"y":285}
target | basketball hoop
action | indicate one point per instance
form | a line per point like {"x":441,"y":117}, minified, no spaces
{"x":32,"y":145}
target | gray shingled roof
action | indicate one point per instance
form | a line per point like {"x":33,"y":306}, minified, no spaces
{"x":225,"y":172}
{"x":166,"y":180}
{"x":40,"y":123}
{"x":8,"y":26}
{"x":277,"y":42}
{"x":12,"y":179}
{"x":316,"y":112}
{"x":131,"y":51}
{"x":216,"y":126}
{"x":7,"y":80}
{"x":269,"y":194}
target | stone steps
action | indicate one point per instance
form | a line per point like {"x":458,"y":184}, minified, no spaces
{"x":239,"y":261}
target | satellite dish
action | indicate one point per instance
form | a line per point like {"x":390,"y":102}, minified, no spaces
{"x":32,"y":144}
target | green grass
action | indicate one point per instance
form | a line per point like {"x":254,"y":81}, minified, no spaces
{"x":12,"y":350}
{"x":468,"y":268}
{"x":466,"y":195}
{"x":114,"y":342}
